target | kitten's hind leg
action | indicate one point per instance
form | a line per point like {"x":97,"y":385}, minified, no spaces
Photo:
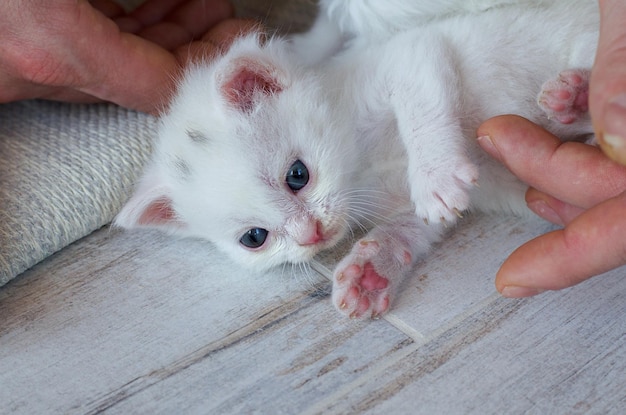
{"x":566,"y":97}
{"x":365,"y":281}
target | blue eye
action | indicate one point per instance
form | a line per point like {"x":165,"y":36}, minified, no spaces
{"x":297,"y":176}
{"x":254,"y":238}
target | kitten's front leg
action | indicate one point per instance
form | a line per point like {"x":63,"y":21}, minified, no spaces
{"x":365,"y":281}
{"x":440,"y":174}
{"x":440,"y":181}
{"x":427,"y":104}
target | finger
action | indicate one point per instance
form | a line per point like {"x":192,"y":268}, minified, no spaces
{"x":228,"y":30}
{"x":186,"y":23}
{"x":198,"y":16}
{"x":104,"y":64}
{"x":143,"y":80}
{"x":153,"y":11}
{"x":167,"y":35}
{"x":128,"y":24}
{"x":107,"y":7}
{"x":124,"y":69}
{"x":216,"y":41}
{"x":575,"y":173}
{"x":590,"y":245}
{"x":607,"y":98}
{"x":17,"y":90}
{"x":134,"y":73}
{"x":192,"y":13}
{"x":164,"y":69}
{"x":67,"y":95}
{"x":551,"y":208}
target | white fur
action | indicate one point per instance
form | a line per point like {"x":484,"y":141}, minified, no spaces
{"x":342,"y":23}
{"x":387,"y":132}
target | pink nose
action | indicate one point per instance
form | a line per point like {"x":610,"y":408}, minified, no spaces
{"x":313,"y":235}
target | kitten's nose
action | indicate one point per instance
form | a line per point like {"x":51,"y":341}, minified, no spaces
{"x":312,"y":234}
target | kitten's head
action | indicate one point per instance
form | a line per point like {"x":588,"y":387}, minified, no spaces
{"x":249,"y":157}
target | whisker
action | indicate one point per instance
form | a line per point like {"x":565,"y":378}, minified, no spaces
{"x":373,"y":217}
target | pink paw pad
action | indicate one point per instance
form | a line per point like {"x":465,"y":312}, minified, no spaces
{"x":359,"y":289}
{"x":370,"y":280}
{"x":565,"y":98}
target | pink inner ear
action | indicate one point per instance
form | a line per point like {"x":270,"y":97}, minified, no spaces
{"x":159,"y":212}
{"x":249,"y":80}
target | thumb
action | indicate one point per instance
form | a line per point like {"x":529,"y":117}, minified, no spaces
{"x":607,"y":99}
{"x":134,"y":73}
{"x":114,"y":66}
{"x":128,"y":70}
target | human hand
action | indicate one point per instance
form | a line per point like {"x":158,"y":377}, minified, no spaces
{"x":607,"y":95}
{"x":574,"y":185}
{"x":80,"y":51}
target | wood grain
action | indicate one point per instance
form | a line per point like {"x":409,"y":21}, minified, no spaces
{"x":125,"y":323}
{"x":143,"y":323}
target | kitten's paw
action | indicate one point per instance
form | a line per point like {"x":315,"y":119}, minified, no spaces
{"x":565,"y":98}
{"x":442,"y":194}
{"x":359,"y":288}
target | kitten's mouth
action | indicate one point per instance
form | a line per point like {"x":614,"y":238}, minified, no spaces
{"x":323,"y":240}
{"x":329,"y":239}
{"x":318,"y":235}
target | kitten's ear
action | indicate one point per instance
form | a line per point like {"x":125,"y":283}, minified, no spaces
{"x":150,"y":206}
{"x":248,"y":80}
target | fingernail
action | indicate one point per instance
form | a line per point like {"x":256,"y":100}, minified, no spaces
{"x":541,"y":208}
{"x":513,"y":291}
{"x":612,"y":140}
{"x":487,"y":144}
{"x":614,"y":146}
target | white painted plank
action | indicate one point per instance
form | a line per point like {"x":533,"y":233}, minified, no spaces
{"x":458,"y":275}
{"x":116,"y":306}
{"x":142,"y":322}
{"x":284,"y":369}
{"x":559,"y":353}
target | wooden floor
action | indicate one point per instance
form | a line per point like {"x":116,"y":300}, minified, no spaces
{"x":138,"y":323}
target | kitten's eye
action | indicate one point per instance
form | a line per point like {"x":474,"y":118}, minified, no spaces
{"x":254,"y":238}
{"x":297,"y":176}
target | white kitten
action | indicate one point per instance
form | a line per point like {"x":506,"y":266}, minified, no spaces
{"x":274,"y":162}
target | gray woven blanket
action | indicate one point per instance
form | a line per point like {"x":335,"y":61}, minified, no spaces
{"x":66,"y":170}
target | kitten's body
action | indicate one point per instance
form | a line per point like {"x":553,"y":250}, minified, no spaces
{"x":386,"y":134}
{"x":348,"y":23}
